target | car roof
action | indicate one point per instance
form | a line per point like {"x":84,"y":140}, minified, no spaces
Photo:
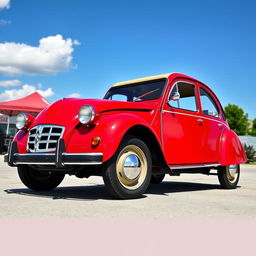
{"x":169,"y":76}
{"x":150,"y":78}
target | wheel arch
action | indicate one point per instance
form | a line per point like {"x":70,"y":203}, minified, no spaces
{"x":148,"y":137}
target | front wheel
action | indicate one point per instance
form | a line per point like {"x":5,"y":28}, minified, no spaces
{"x":157,"y":178}
{"x":229,"y":176}
{"x":39,"y":181}
{"x":127,"y":175}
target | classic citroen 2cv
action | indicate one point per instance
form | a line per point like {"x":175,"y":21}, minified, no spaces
{"x":141,"y":130}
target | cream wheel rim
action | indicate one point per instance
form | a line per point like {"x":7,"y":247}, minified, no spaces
{"x":131,"y":167}
{"x":232,"y":173}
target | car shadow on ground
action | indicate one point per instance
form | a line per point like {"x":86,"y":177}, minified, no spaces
{"x":96,"y":192}
{"x":170,"y":187}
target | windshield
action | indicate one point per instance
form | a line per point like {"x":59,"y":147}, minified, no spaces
{"x":149,"y":90}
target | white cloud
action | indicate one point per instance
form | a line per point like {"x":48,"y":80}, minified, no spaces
{"x":4,"y":4}
{"x":9,"y":83}
{"x":74,"y":95}
{"x":76,"y":42}
{"x":4,"y":22}
{"x":47,"y":93}
{"x":52,"y":55}
{"x":25,"y":90}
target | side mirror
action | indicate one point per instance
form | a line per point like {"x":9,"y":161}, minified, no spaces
{"x":175,"y":96}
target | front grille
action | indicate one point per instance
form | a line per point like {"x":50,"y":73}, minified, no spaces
{"x":44,"y":138}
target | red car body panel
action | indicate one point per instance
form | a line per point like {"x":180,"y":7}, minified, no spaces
{"x":115,"y":130}
{"x":232,"y":151}
{"x":185,"y":137}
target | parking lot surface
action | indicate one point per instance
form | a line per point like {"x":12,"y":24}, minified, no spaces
{"x":189,"y":196}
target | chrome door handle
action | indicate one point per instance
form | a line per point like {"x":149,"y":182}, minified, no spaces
{"x":220,"y":125}
{"x":200,"y":121}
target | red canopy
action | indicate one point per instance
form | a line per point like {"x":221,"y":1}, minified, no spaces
{"x":31,"y":104}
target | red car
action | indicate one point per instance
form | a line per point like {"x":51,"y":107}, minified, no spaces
{"x":141,"y":130}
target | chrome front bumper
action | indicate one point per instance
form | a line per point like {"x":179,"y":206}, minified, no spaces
{"x":59,"y":159}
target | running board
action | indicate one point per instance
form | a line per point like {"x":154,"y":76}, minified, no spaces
{"x":193,"y":166}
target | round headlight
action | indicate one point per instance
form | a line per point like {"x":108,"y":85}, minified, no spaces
{"x":21,"y":120}
{"x":86,"y":114}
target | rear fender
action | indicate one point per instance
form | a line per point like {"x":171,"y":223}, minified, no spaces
{"x":231,"y":149}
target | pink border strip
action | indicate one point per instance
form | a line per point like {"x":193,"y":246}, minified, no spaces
{"x":130,"y":237}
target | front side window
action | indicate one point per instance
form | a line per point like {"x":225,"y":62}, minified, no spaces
{"x":187,"y":97}
{"x":209,"y":107}
{"x":149,"y":90}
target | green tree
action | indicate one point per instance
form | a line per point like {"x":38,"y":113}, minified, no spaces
{"x":253,"y":129}
{"x":237,"y":119}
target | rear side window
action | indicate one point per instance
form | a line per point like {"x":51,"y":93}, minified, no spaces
{"x":187,"y":97}
{"x":209,"y":107}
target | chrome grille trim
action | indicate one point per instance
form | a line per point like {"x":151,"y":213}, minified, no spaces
{"x":42,"y":139}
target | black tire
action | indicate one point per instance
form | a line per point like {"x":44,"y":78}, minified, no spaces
{"x":227,"y":180}
{"x":39,"y":181}
{"x":157,"y":178}
{"x":115,"y":172}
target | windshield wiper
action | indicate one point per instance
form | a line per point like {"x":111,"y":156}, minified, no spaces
{"x":145,"y":94}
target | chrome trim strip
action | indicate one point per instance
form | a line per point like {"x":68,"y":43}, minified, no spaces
{"x":31,"y":163}
{"x":66,"y":154}
{"x":57,"y":152}
{"x":212,"y":165}
{"x":53,"y":163}
{"x":45,"y":141}
{"x":45,"y":134}
{"x":82,"y":154}
{"x":92,"y":163}
{"x":35,"y":154}
{"x":185,"y":114}
{"x":194,"y":166}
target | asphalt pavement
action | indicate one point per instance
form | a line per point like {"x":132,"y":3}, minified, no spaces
{"x":186,"y":196}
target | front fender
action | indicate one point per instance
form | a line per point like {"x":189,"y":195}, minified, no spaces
{"x":231,"y":149}
{"x":110,"y":128}
{"x":21,"y":138}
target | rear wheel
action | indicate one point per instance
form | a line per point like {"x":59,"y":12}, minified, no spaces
{"x":229,"y":176}
{"x":127,"y":174}
{"x":40,"y":181}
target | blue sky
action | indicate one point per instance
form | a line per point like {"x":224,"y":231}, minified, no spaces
{"x":110,"y":41}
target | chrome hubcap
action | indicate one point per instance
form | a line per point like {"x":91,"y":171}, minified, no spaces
{"x":132,"y":167}
{"x":232,"y":173}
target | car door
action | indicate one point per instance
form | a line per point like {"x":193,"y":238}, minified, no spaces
{"x":182,"y":125}
{"x":212,"y":125}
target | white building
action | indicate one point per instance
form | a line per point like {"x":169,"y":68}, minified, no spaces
{"x":4,"y":125}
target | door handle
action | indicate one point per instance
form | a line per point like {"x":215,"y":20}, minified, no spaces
{"x":200,"y":121}
{"x":220,"y":125}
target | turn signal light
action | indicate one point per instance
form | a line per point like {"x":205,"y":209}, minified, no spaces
{"x":95,"y":140}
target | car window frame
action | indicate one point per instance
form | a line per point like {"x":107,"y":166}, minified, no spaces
{"x":213,"y":100}
{"x":196,"y":96}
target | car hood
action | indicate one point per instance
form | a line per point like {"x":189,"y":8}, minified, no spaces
{"x":65,"y":111}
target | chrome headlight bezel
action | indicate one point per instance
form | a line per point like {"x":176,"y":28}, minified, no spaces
{"x":86,"y":114}
{"x":21,"y":121}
